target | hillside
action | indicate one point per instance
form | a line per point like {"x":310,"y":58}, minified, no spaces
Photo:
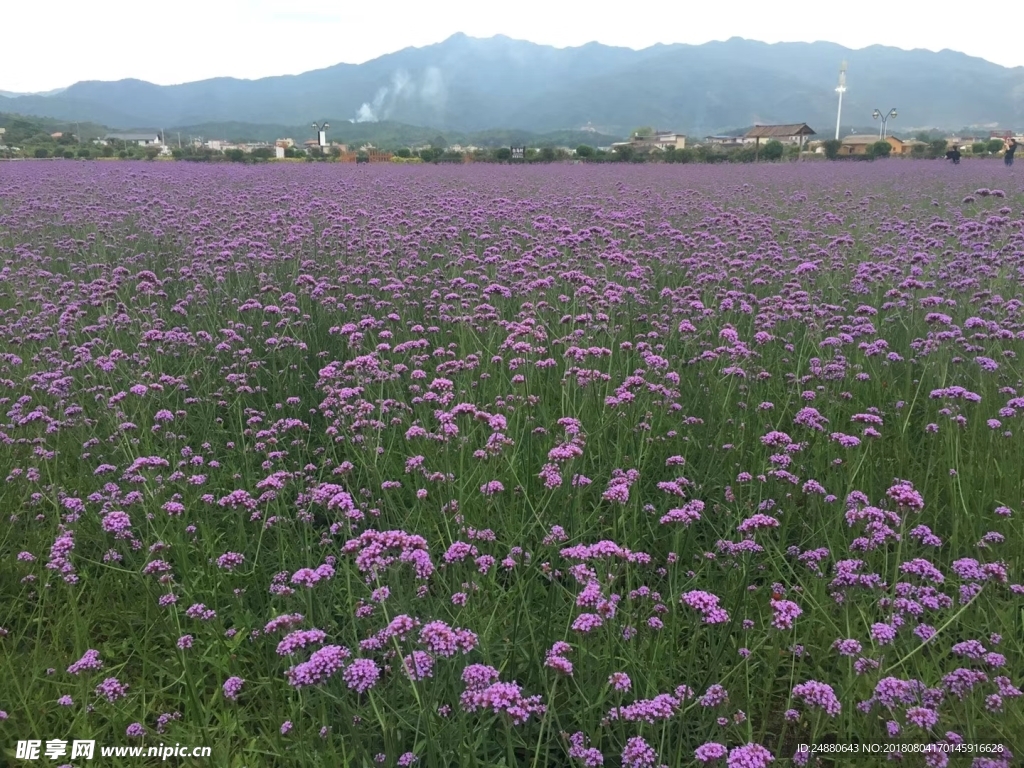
{"x":467,"y":84}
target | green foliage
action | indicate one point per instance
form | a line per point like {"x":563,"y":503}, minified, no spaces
{"x":41,"y":152}
{"x":503,"y":154}
{"x":294,"y":152}
{"x":546,"y":155}
{"x":625,"y":153}
{"x":107,"y":150}
{"x":643,"y":132}
{"x":404,"y":152}
{"x":773,"y":150}
{"x":880,"y":149}
{"x":995,"y":145}
{"x":24,"y":130}
{"x":831,"y":148}
{"x":151,"y":153}
{"x":980,"y":148}
{"x":84,"y":153}
{"x":936,"y":148}
{"x":235,"y":155}
{"x":685,"y":155}
{"x":584,"y":151}
{"x":263,"y":153}
{"x":744,"y":154}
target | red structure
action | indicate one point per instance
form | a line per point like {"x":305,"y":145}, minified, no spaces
{"x":374,"y":155}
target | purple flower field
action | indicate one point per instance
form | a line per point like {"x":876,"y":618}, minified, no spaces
{"x":514,"y":466}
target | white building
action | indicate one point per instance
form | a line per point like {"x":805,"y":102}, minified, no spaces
{"x":141,"y":139}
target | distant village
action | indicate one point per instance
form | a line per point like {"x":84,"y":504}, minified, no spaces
{"x":797,"y":139}
{"x":799,"y":135}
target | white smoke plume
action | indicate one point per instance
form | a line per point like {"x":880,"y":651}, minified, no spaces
{"x":432,"y":92}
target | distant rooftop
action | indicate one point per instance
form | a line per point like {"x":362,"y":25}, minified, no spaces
{"x":779,"y":131}
{"x":865,"y":138}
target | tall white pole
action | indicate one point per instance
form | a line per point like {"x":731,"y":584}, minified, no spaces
{"x":840,"y":90}
{"x":839,"y":114}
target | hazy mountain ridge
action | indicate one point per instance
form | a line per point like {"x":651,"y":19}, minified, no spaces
{"x":467,"y":84}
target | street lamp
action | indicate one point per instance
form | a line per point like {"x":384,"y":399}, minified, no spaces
{"x":321,"y":133}
{"x":885,"y":118}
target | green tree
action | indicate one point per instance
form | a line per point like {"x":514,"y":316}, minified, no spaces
{"x":936,"y":148}
{"x":832,"y":147}
{"x":263,"y":153}
{"x":746,"y":154}
{"x":919,"y":150}
{"x":625,"y":153}
{"x":293,"y":152}
{"x":584,"y":151}
{"x":107,"y":151}
{"x":235,"y":155}
{"x":67,"y":154}
{"x":41,"y":152}
{"x":773,"y":150}
{"x":503,"y":154}
{"x":880,"y":149}
{"x":151,"y":153}
{"x":979,"y":148}
{"x":685,"y":155}
{"x":404,"y":153}
{"x":123,"y":154}
{"x":546,"y":155}
{"x":995,"y":145}
{"x":643,"y":132}
{"x":704,"y":153}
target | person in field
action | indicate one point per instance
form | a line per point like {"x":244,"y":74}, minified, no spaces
{"x":1011,"y":147}
{"x":954,"y":155}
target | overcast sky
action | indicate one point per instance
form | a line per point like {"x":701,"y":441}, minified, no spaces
{"x":178,"y":43}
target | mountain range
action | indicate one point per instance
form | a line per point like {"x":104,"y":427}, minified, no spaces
{"x":470,"y":84}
